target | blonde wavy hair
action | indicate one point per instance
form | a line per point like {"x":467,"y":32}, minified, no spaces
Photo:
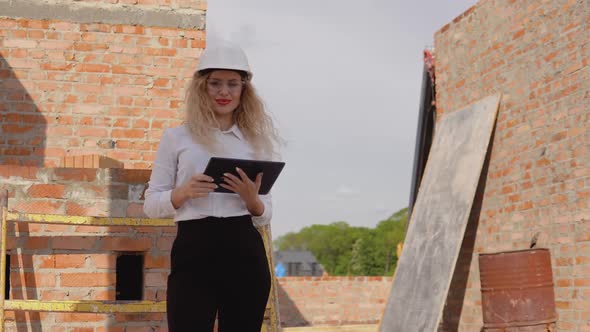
{"x":250,"y":116}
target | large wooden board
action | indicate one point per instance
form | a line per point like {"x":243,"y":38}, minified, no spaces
{"x":439,"y":218}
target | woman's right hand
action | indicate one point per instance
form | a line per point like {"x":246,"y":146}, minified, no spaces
{"x":200,"y":185}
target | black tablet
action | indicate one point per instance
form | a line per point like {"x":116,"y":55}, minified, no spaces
{"x":270,"y":169}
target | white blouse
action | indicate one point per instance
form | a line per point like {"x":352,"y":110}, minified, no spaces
{"x":178,"y":158}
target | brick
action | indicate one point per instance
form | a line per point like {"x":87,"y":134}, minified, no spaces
{"x":104,"y":295}
{"x":21,"y":262}
{"x":7,"y":171}
{"x":157,"y":262}
{"x":8,"y":23}
{"x":55,"y":45}
{"x":34,"y":280}
{"x":66,"y":261}
{"x":130,"y":70}
{"x":45,"y":207}
{"x":93,"y":132}
{"x":16,"y":129}
{"x":68,"y":174}
{"x":79,"y":317}
{"x":135,"y":210}
{"x":102,"y":261}
{"x":87,"y":279}
{"x":126,"y":244}
{"x":91,"y":209}
{"x":35,"y":243}
{"x":156,"y":279}
{"x":90,"y":47}
{"x":91,"y":229}
{"x":93,"y":68}
{"x":46,"y":191}
{"x":52,"y":294}
{"x":130,"y":91}
{"x":198,"y":44}
{"x":57,"y":228}
{"x":20,"y":43}
{"x":129,"y":133}
{"x":165,"y":243}
{"x":73,"y":243}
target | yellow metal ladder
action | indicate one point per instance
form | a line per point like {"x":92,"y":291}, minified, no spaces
{"x":104,"y":307}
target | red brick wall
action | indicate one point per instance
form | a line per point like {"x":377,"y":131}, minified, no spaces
{"x":82,"y":86}
{"x":71,"y":89}
{"x":69,"y":262}
{"x":305,"y":301}
{"x":537,"y":54}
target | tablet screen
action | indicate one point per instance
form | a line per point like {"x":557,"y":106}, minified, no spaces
{"x":217,"y":166}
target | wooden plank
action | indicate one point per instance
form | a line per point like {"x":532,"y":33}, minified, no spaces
{"x":439,"y":218}
{"x":84,"y":220}
{"x":86,"y":306}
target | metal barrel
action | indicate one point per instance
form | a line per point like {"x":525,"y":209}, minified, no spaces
{"x":517,"y":289}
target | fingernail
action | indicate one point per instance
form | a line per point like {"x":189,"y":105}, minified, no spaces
{"x":224,"y":174}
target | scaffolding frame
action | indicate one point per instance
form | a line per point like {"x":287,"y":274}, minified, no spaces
{"x":102,"y":307}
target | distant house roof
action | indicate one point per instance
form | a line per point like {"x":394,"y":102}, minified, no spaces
{"x":294,"y":256}
{"x":308,"y":264}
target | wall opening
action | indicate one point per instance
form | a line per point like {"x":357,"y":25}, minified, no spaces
{"x":7,"y":278}
{"x":129,"y":281}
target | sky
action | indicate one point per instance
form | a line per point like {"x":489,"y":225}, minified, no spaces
{"x":342,"y":81}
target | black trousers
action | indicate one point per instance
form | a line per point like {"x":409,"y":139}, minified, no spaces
{"x":218,"y":266}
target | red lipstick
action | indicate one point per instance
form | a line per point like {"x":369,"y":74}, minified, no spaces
{"x":223,"y":102}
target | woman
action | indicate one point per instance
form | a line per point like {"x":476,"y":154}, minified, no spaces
{"x":218,"y":260}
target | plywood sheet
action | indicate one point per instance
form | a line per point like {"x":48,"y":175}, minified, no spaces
{"x":439,"y":218}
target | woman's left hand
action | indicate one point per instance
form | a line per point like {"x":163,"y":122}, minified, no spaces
{"x":246,"y":188}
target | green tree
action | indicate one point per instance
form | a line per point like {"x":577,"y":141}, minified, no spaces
{"x":389,"y":233}
{"x":346,"y":250}
{"x":355,"y":265}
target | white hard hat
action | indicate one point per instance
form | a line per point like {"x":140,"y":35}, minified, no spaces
{"x":224,"y":56}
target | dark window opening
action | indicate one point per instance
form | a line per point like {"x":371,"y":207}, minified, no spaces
{"x":294,"y":269}
{"x":129,"y":283}
{"x":7,"y":278}
{"x":425,"y":130}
